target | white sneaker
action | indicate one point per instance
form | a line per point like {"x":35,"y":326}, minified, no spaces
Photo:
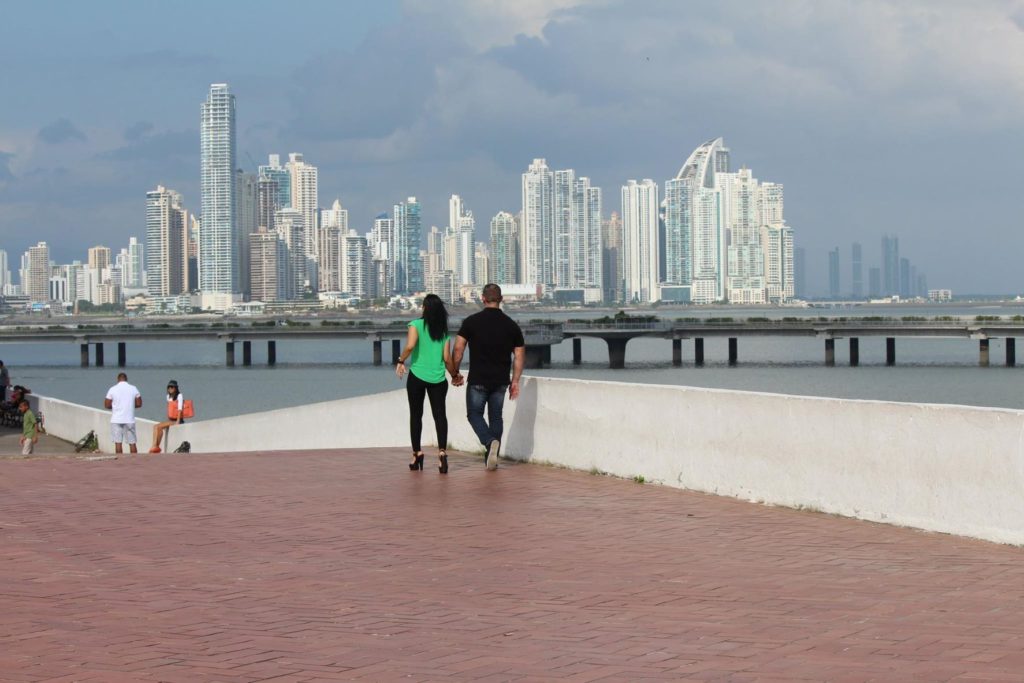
{"x":492,"y":454}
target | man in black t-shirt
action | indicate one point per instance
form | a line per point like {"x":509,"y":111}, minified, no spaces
{"x":494,"y":340}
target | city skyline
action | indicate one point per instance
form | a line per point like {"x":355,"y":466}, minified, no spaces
{"x":403,"y":101}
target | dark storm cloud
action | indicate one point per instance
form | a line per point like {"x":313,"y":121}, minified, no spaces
{"x":61,"y":130}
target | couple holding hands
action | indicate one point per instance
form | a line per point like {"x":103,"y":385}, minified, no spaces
{"x":497,"y":352}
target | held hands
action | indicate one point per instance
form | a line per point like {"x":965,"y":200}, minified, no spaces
{"x":458,"y":380}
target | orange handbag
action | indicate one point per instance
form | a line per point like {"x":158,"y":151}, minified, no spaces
{"x":187,"y":411}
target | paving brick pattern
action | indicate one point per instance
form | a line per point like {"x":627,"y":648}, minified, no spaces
{"x":332,"y":566}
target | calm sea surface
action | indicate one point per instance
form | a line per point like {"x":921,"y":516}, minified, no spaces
{"x":927,"y":370}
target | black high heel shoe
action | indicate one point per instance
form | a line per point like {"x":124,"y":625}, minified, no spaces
{"x":416,"y":464}
{"x":443,"y":467}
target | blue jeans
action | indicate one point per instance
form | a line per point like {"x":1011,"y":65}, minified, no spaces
{"x":479,"y":396}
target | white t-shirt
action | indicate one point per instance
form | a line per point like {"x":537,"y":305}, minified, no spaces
{"x":122,"y":396}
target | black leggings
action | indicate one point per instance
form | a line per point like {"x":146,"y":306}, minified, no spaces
{"x":416,"y":388}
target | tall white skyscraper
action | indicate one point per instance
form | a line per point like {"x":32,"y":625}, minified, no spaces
{"x":536,"y":232}
{"x":741,"y":219}
{"x":640,"y":241}
{"x":166,"y":243}
{"x":333,"y":224}
{"x":219,"y":263}
{"x":306,"y":200}
{"x":382,"y":244}
{"x":562,"y":213}
{"x":693,"y":224}
{"x":5,"y":273}
{"x":355,"y":264}
{"x":504,"y":260}
{"x":585,"y":258}
{"x":135,"y":264}
{"x":463,"y":228}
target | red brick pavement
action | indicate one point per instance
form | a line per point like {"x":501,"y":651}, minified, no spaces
{"x":343,"y":565}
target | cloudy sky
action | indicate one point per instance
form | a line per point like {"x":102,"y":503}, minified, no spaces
{"x":903,"y":117}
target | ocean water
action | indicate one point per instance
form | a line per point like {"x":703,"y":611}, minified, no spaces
{"x":927,"y":370}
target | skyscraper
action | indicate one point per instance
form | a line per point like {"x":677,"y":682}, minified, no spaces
{"x":219,"y":262}
{"x":799,"y":273}
{"x":857,"y":280}
{"x":274,"y":171}
{"x":333,"y":224}
{"x":611,"y":241}
{"x":698,"y":219}
{"x":640,"y":243}
{"x":741,"y":206}
{"x":462,"y":227}
{"x":874,"y":283}
{"x":304,"y":179}
{"x":382,"y":244}
{"x":536,"y":231}
{"x":586,"y":265}
{"x":890,"y":265}
{"x":408,"y":266}
{"x":268,"y":258}
{"x":99,"y":257}
{"x":905,"y":279}
{"x":504,"y":261}
{"x":355,"y":265}
{"x":267,"y":202}
{"x":246,"y":222}
{"x":37,"y":286}
{"x":5,"y":274}
{"x":134,"y":264}
{"x":166,"y":243}
{"x":833,"y":273}
{"x":292,"y":232}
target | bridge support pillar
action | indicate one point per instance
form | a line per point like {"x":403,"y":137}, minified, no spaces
{"x":830,"y":353}
{"x":733,"y":351}
{"x":546,"y":351}
{"x":577,"y":351}
{"x":1011,"y":352}
{"x":271,"y":353}
{"x":229,"y":354}
{"x":247,"y":353}
{"x":396,"y":351}
{"x":83,"y":355}
{"x":890,"y":351}
{"x":122,"y":355}
{"x":698,"y":352}
{"x":99,"y":355}
{"x":983,"y":352}
{"x":534,"y":357}
{"x":854,"y":352}
{"x":378,"y":352}
{"x":616,"y":353}
{"x":677,"y":353}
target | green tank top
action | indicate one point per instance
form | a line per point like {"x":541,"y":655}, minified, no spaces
{"x":427,"y":355}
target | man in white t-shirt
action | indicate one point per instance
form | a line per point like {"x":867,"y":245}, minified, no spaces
{"x":122,"y":399}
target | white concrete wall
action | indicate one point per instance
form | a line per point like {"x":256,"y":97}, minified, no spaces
{"x":945,"y":468}
{"x":71,"y":422}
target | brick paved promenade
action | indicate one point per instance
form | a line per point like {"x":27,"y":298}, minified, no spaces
{"x":333,"y":566}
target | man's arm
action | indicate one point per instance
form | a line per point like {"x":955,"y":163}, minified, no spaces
{"x":138,"y":400}
{"x":518,"y":362}
{"x":460,"y":351}
{"x":108,"y":403}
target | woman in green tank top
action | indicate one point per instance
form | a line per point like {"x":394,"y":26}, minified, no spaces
{"x":429,"y":345}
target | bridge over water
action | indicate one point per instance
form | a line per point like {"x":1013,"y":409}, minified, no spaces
{"x":540,"y":335}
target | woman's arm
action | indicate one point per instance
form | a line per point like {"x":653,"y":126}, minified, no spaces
{"x":410,"y":343}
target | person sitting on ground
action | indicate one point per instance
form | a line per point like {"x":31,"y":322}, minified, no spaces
{"x":175,"y":414}
{"x":29,"y":428}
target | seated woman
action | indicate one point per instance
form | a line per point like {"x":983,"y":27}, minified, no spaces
{"x":175,"y":414}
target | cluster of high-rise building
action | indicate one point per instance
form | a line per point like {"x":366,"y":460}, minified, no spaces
{"x":896,"y":276}
{"x":710,"y":234}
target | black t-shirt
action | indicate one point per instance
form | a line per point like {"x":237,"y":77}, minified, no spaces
{"x":492,"y":336}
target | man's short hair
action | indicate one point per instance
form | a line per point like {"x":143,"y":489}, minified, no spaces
{"x":492,"y":293}
{"x":122,"y":376}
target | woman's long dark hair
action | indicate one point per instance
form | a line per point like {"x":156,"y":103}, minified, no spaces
{"x":435,"y":317}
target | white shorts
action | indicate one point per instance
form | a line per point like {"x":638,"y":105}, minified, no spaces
{"x":122,"y":433}
{"x":26,"y":448}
